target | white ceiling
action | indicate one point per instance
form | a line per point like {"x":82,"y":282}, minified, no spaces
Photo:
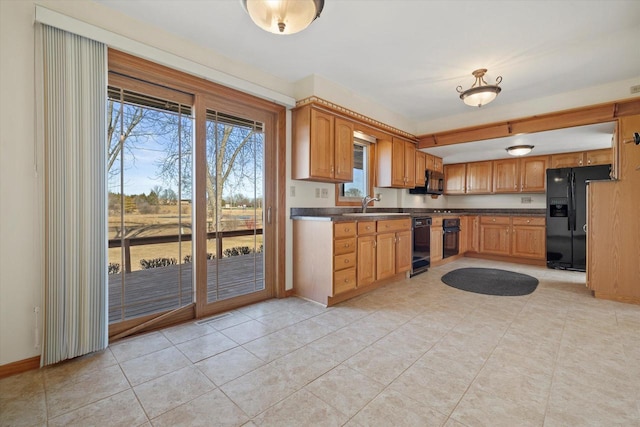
{"x":409,"y":55}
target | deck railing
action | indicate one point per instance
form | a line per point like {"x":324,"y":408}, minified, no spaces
{"x":176,"y":238}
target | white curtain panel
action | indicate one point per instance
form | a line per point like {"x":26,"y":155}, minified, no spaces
{"x":74,"y":96}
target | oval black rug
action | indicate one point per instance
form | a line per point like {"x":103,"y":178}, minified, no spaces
{"x":491,"y":281}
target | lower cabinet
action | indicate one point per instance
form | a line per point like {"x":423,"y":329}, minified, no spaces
{"x":436,"y":240}
{"x":517,"y":236}
{"x":333,"y":261}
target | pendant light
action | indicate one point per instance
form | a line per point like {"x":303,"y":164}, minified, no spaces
{"x":480,"y":93}
{"x":519,"y":150}
{"x":283,"y":16}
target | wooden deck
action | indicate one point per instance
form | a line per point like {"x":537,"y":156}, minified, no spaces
{"x":167,"y":288}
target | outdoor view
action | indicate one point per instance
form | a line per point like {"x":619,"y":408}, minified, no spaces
{"x":150,"y":195}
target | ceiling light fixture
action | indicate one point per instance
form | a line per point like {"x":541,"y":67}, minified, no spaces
{"x":480,"y":93}
{"x":519,"y":150}
{"x":283,"y":16}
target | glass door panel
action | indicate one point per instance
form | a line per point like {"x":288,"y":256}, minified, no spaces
{"x":234,"y":204}
{"x":150,"y":206}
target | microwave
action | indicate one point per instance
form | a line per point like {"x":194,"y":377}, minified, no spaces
{"x":434,"y":183}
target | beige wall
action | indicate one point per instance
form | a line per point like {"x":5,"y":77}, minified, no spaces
{"x":21,"y":217}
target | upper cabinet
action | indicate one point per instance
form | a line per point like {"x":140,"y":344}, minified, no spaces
{"x":454,"y":178}
{"x":525,"y":175}
{"x":433,"y":163}
{"x":468,"y":178}
{"x":322,"y":147}
{"x":479,"y":177}
{"x":396,"y":159}
{"x":421,"y":167}
{"x":582,"y":158}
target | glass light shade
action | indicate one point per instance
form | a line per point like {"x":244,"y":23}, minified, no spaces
{"x":519,"y":150}
{"x":479,"y":96}
{"x":283,"y":16}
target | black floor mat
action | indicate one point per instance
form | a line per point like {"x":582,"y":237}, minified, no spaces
{"x":491,"y":281}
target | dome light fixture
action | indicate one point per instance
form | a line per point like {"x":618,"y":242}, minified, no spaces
{"x":283,"y":16}
{"x":480,"y":93}
{"x":519,"y":150}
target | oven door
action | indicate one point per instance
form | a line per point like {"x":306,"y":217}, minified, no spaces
{"x":450,"y":242}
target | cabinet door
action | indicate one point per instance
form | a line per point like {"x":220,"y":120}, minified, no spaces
{"x":366,"y":260}
{"x":343,"y":147}
{"x":409,"y":165}
{"x":397,"y":164}
{"x":505,"y":176}
{"x":436,"y":244}
{"x":454,"y":178}
{"x":567,"y":160}
{"x":494,"y":239}
{"x":479,"y":177}
{"x":533,"y":174}
{"x":473,"y":234}
{"x":528,"y":242}
{"x":599,"y":157}
{"x":403,"y":251}
{"x":321,"y":148}
{"x":429,"y":161}
{"x":421,"y":167}
{"x":385,"y":255}
{"x":437,"y":164}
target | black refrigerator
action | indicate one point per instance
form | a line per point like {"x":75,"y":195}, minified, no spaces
{"x":567,"y":215}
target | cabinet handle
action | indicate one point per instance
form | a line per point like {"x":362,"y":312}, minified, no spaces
{"x":346,"y":245}
{"x":494,"y":220}
{"x":375,"y":244}
{"x":346,"y":261}
{"x":346,"y":280}
{"x":331,"y":168}
{"x":528,"y":221}
{"x":589,"y":161}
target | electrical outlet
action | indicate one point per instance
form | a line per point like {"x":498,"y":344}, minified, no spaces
{"x":317,"y":193}
{"x":525,"y":200}
{"x":635,"y":89}
{"x":292,"y":191}
{"x":325,"y":193}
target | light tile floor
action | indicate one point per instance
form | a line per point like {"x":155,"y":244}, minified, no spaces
{"x":415,"y":352}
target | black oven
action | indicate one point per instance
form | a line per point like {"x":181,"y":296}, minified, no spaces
{"x":421,"y":245}
{"x":450,"y":237}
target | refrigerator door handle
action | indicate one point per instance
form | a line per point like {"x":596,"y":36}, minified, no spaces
{"x":572,"y":201}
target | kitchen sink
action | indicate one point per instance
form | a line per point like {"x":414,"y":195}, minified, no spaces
{"x":375,"y":214}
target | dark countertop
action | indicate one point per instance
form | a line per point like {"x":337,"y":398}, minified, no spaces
{"x":337,"y":214}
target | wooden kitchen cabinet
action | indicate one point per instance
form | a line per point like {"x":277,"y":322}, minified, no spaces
{"x":436,"y":239}
{"x":393,"y":247}
{"x":582,"y":158}
{"x":455,"y":178}
{"x":516,"y":236}
{"x":403,"y":251}
{"x":473,"y":233}
{"x":366,"y":271}
{"x":421,"y":167}
{"x":396,"y":163}
{"x":437,"y":164}
{"x":524,"y":175}
{"x":479,"y":177}
{"x":494,"y":235}
{"x":322,"y":146}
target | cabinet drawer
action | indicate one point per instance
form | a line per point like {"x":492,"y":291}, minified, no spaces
{"x":503,"y":220}
{"x":366,"y":227}
{"x":344,"y":246}
{"x":340,"y":262}
{"x":344,"y":280}
{"x":436,"y":221}
{"x":344,"y":229}
{"x":394,"y":225}
{"x":528,"y":220}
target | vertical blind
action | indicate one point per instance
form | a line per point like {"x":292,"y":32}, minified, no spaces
{"x":75,"y":82}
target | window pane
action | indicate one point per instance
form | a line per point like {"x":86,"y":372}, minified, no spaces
{"x":358,"y":187}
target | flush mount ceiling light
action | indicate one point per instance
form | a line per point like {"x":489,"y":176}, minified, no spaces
{"x":283,"y":16}
{"x":480,"y":93}
{"x":519,"y":150}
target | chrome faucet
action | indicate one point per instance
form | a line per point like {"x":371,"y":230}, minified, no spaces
{"x":366,"y":200}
